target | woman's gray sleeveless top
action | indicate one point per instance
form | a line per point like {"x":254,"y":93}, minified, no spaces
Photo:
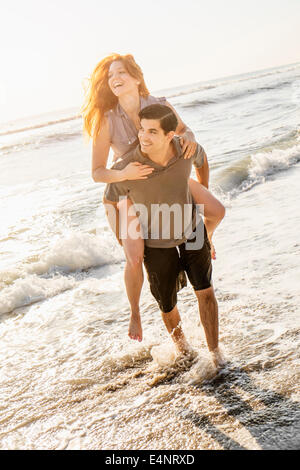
{"x":123,"y":133}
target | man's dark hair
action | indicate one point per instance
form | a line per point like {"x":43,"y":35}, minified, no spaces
{"x":166,"y":117}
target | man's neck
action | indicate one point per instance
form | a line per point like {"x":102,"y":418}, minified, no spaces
{"x":164,"y":156}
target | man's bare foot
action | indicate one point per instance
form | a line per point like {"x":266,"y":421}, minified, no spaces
{"x":180,"y":342}
{"x":183,"y":347}
{"x":217,"y":358}
{"x":135,"y":327}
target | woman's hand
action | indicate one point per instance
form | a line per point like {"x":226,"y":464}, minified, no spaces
{"x":188,"y":146}
{"x":136,"y":171}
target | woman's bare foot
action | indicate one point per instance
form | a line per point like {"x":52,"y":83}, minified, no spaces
{"x":135,"y":327}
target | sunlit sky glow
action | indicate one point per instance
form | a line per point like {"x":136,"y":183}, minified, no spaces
{"x":49,"y":47}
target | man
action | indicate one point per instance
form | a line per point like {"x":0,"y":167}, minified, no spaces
{"x":167,"y":247}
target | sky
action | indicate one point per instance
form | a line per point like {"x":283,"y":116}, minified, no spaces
{"x":48,"y":49}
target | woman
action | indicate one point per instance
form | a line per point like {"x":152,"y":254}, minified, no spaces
{"x":116,"y":94}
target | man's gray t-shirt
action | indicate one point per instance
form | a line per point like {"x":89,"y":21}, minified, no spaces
{"x":163,"y":201}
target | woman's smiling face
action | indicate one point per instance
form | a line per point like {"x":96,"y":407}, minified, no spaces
{"x":120,"y":81}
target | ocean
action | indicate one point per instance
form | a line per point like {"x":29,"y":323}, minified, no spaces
{"x":70,"y":376}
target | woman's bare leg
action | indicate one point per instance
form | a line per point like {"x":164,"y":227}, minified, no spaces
{"x":214,"y":211}
{"x":133,"y":244}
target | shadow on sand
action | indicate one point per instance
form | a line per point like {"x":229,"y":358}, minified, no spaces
{"x":274,"y":427}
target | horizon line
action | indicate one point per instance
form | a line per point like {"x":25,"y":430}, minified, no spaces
{"x":44,"y":113}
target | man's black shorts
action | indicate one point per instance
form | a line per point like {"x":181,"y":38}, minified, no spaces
{"x":165,"y":265}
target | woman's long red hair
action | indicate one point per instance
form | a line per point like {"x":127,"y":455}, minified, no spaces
{"x":99,"y":97}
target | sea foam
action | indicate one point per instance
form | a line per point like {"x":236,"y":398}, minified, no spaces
{"x":77,"y":251}
{"x":257,"y":167}
{"x":48,"y":276}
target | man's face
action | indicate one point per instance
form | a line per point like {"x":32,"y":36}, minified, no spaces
{"x":152,"y":137}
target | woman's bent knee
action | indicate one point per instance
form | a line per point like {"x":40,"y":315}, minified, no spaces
{"x":221,"y":212}
{"x":215,"y":213}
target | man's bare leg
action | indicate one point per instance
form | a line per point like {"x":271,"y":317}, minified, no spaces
{"x":133,"y":274}
{"x":208,"y":309}
{"x":172,"y":322}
